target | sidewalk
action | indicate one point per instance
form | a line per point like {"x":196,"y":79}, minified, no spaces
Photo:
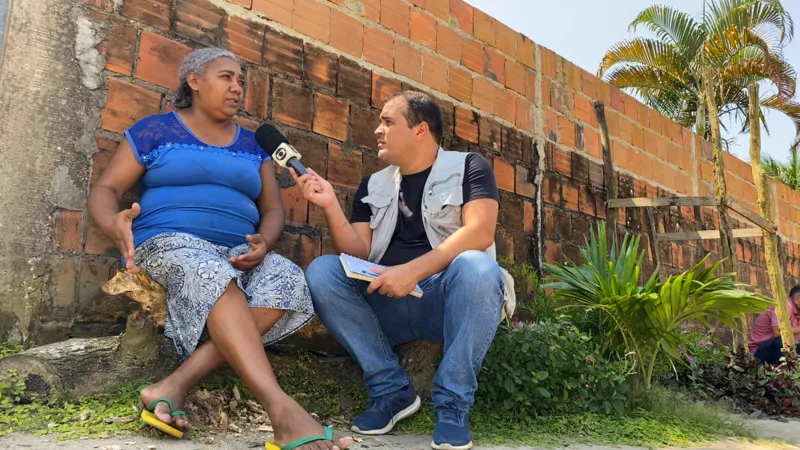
{"x":786,"y":436}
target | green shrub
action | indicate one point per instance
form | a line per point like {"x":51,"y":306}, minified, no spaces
{"x":533,"y":368}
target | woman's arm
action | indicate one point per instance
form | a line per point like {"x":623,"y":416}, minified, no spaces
{"x":121,"y":175}
{"x":270,"y":208}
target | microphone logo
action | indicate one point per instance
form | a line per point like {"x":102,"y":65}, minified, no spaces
{"x":284,"y":153}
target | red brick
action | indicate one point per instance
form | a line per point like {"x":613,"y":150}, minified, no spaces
{"x":378,"y":47}
{"x":247,"y":124}
{"x":562,"y":162}
{"x":552,"y":194}
{"x":344,"y":168}
{"x":603,"y":93}
{"x":571,"y":197}
{"x":530,"y":85}
{"x":199,"y":20}
{"x":515,"y":76}
{"x":118,"y":48}
{"x":566,"y":132}
{"x":586,"y":202}
{"x":549,"y":63}
{"x":347,"y":33}
{"x":246,"y":39}
{"x":505,"y":104}
{"x":573,"y":77}
{"x":69,"y":229}
{"x":312,"y":19}
{"x":99,"y":4}
{"x":529,"y":214}
{"x":553,"y":253}
{"x":524,"y":186}
{"x":617,"y":101}
{"x":382,"y":89}
{"x":246,"y":3}
{"x":524,"y":118}
{"x":637,"y":136}
{"x":584,"y":110}
{"x":320,"y":67}
{"x":354,"y":81}
{"x":292,"y":104}
{"x":419,"y":3}
{"x":472,"y":55}
{"x":407,"y":61}
{"x":257,"y":96}
{"x":363,"y":122}
{"x":467,"y":124}
{"x":434,"y":72}
{"x":295,"y":205}
{"x":372,"y":10}
{"x":101,"y":158}
{"x":330,"y":116}
{"x":591,"y":143}
{"x":551,"y":125}
{"x":588,"y":84}
{"x":625,"y":129}
{"x":159,"y":60}
{"x":494,"y":65}
{"x":155,"y":13}
{"x":490,"y":133}
{"x":506,"y":40}
{"x":484,"y":26}
{"x":277,"y":10}
{"x":448,"y":42}
{"x":460,"y":84}
{"x":483,"y":93}
{"x":560,"y":98}
{"x":395,"y":16}
{"x":504,"y":174}
{"x":423,"y":29}
{"x":126,"y":104}
{"x":310,"y":249}
{"x":439,"y":8}
{"x":283,"y":53}
{"x":631,"y":108}
{"x":463,"y":13}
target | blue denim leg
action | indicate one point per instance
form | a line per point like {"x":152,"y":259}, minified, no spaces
{"x":365,"y":325}
{"x":461,"y":308}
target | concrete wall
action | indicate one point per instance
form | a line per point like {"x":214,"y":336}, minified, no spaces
{"x":77,"y":74}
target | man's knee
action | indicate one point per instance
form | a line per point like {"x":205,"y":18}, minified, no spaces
{"x":322,"y":269}
{"x":475,"y":263}
{"x":482,"y":278}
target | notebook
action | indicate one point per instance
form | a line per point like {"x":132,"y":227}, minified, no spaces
{"x":359,"y":269}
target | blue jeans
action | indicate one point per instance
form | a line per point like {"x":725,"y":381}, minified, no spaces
{"x":771,"y":352}
{"x":460,"y":307}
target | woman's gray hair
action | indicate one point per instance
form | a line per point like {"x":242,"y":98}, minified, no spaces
{"x":196,"y":62}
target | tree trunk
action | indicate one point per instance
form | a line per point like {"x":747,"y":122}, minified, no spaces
{"x":731,"y":264}
{"x":770,"y":239}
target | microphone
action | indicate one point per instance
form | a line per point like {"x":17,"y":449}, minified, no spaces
{"x":277,"y":146}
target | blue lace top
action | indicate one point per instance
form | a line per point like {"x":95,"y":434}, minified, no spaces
{"x":191,"y":187}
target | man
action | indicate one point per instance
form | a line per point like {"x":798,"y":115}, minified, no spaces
{"x":765,"y":337}
{"x":430,"y":218}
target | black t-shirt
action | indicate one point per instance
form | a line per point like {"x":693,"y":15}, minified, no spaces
{"x":409,"y":240}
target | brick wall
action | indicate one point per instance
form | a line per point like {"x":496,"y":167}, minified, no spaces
{"x":321,"y":70}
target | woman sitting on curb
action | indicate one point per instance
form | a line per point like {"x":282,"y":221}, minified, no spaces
{"x":209,"y":217}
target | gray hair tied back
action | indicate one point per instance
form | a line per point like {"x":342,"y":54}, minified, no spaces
{"x":196,"y":62}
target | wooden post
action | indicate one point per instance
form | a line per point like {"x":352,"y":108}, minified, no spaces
{"x":731,"y":264}
{"x":770,"y":239}
{"x":608,"y":171}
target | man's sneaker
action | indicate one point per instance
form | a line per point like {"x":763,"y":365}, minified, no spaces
{"x":452,"y":430}
{"x":385,"y":411}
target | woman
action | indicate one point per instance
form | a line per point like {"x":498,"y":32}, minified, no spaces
{"x":210,"y":214}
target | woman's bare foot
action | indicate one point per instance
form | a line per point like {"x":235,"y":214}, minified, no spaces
{"x":291,"y":422}
{"x":162,"y":412}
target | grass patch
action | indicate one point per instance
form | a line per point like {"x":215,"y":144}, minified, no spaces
{"x":668,"y":421}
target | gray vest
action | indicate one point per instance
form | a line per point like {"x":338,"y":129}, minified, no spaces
{"x":441,"y":210}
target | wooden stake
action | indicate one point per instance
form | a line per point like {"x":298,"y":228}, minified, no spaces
{"x":770,"y":239}
{"x":608,"y":170}
{"x":730,"y":265}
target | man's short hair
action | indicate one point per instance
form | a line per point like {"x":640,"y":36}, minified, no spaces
{"x":795,"y":291}
{"x":421,"y":107}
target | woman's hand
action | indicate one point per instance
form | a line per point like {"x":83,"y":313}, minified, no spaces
{"x":256,"y":254}
{"x":123,"y":236}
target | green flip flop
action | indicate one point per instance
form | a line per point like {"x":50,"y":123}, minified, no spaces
{"x":300,"y":442}
{"x":148,"y":416}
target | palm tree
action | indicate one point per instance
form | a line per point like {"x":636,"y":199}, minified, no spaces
{"x":741,"y":40}
{"x":788,"y":172}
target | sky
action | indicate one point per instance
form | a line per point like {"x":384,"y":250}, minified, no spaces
{"x":582,"y":30}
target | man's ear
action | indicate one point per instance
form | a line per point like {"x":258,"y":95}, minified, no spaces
{"x":423,"y":129}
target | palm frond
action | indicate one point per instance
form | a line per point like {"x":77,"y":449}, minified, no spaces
{"x":672,"y":26}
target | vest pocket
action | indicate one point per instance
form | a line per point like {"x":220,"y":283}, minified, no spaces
{"x":379,"y":204}
{"x":443,"y":208}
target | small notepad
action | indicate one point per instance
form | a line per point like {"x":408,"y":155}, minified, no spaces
{"x":361,"y":270}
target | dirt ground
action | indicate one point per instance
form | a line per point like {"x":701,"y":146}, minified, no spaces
{"x":773,"y":435}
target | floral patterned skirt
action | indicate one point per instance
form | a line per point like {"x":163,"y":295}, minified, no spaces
{"x":195,"y":274}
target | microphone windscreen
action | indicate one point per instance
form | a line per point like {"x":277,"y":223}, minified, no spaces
{"x":269,"y":138}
